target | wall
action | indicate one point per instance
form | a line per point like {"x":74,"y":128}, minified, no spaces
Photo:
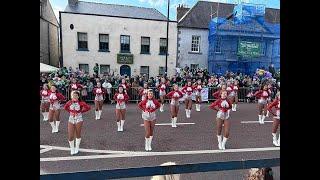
{"x":184,"y":47}
{"x":114,"y":26}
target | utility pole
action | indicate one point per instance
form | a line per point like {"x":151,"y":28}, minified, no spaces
{"x":166,"y":68}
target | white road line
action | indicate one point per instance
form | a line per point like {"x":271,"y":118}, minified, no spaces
{"x":86,"y":150}
{"x":45,"y":150}
{"x":248,"y":122}
{"x":139,"y":154}
{"x":169,"y":124}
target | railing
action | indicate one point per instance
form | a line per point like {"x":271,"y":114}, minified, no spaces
{"x":163,"y":170}
{"x":133,"y":93}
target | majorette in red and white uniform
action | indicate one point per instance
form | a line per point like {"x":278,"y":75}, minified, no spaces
{"x":223,"y":106}
{"x":197,"y":89}
{"x":143,"y":93}
{"x":187,"y":90}
{"x":148,"y":107}
{"x":75,"y":86}
{"x":76,"y":108}
{"x":230,"y":91}
{"x":262,"y":95}
{"x":175,"y":96}
{"x":276,"y":105}
{"x":125,"y":86}
{"x":162,"y":88}
{"x":45,"y":103}
{"x":55,"y":99}
{"x":217,"y":94}
{"x":121,"y":99}
{"x":99,"y":92}
{"x":235,"y":89}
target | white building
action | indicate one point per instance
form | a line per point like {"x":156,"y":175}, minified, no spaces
{"x":121,"y":39}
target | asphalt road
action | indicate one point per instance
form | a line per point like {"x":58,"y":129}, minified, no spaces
{"x":102,"y":147}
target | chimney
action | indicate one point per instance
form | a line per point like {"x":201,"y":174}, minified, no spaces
{"x":72,"y":2}
{"x":181,"y":11}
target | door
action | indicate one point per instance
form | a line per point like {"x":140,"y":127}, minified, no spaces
{"x":125,"y":70}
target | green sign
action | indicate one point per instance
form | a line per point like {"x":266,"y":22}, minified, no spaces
{"x":125,"y":58}
{"x":249,"y":49}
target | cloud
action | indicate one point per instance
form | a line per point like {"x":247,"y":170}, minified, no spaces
{"x":154,"y":2}
{"x":56,"y":10}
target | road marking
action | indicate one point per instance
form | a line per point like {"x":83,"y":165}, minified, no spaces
{"x":45,"y":150}
{"x":86,"y":150}
{"x":144,"y":154}
{"x":169,"y":124}
{"x":249,"y":122}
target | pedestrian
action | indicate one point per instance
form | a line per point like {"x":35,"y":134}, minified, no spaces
{"x":262,"y":95}
{"x":99,"y":93}
{"x":276,"y":119}
{"x":162,"y":92}
{"x":198,"y":87}
{"x":222,"y":105}
{"x":148,"y":107}
{"x":75,"y":107}
{"x":121,"y":98}
{"x":187,"y":90}
{"x":55,"y":99}
{"x":45,"y":104}
{"x":174,"y":95}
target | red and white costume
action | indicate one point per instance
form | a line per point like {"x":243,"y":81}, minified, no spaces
{"x":217,"y":94}
{"x":230,"y":91}
{"x":148,"y":107}
{"x":75,"y":86}
{"x":263,"y":96}
{"x":76,"y":108}
{"x":162,"y":88}
{"x":143,"y":93}
{"x":55,"y":99}
{"x":223,"y":106}
{"x":125,"y":86}
{"x":99,"y":92}
{"x":175,"y":96}
{"x":235,"y":89}
{"x":276,"y":104}
{"x":44,"y":96}
{"x":187,"y":90}
{"x":198,"y":89}
{"x":121,"y":99}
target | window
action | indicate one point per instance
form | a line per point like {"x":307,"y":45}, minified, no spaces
{"x":194,"y":66}
{"x":263,"y":48}
{"x":163,"y":46}
{"x":104,"y":68}
{"x":104,"y":42}
{"x":84,"y":67}
{"x":40,"y":9}
{"x":144,"y":70}
{"x":82,"y":41}
{"x":145,"y":45}
{"x":195,"y":44}
{"x":125,"y":44}
{"x":161,"y":70}
{"x":217,"y":46}
{"x":279,"y":48}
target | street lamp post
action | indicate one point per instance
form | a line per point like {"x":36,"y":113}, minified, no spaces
{"x":166,"y":68}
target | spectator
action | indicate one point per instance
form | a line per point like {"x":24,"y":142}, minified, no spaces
{"x":96,"y":69}
{"x":107,"y":86}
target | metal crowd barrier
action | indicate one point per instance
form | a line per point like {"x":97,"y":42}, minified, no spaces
{"x":133,"y":93}
{"x":164,"y":170}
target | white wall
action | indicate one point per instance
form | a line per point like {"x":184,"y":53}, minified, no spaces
{"x":185,"y":56}
{"x":93,"y":25}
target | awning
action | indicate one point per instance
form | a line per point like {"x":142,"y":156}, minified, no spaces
{"x":47,"y":68}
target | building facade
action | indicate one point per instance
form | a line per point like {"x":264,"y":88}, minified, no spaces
{"x":49,"y":35}
{"x":123,"y":40}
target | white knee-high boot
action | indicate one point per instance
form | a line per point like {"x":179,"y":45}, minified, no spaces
{"x":57,"y":126}
{"x":260,"y":117}
{"x":100,"y":111}
{"x":174,"y":122}
{"x":274,"y":139}
{"x":150,"y":141}
{"x":187,"y":112}
{"x":219,"y":141}
{"x":146,"y":144}
{"x":71,"y":144}
{"x":235,"y":107}
{"x":53,"y":126}
{"x":224,"y":141}
{"x":76,"y":150}
{"x":279,"y":140}
{"x":267,"y":115}
{"x":45,"y":116}
{"x":161,"y":107}
{"x":118,"y":124}
{"x":199,"y":107}
{"x":97,"y":114}
{"x":121,"y":125}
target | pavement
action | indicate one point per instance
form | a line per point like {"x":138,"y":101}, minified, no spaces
{"x":102,"y":147}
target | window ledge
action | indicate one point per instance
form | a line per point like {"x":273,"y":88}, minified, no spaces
{"x":217,"y":52}
{"x":82,"y":49}
{"x":147,"y":53}
{"x":125,"y":52}
{"x":102,"y":50}
{"x":195,"y":53}
{"x":163,"y":54}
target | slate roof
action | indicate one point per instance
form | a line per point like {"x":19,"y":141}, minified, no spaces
{"x":199,"y":15}
{"x":115,"y":10}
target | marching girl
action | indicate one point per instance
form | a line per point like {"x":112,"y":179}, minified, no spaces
{"x":270,"y":91}
{"x":121,"y":98}
{"x":148,"y":107}
{"x":99,"y":93}
{"x":74,"y":86}
{"x":162,"y":92}
{"x":45,"y":104}
{"x":198,"y":88}
{"x":276,"y":119}
{"x":174,"y":95}
{"x":222,"y":105}
{"x":125,"y":86}
{"x":55,"y":99}
{"x":75,"y":108}
{"x":144,"y":91}
{"x":187,"y":90}
{"x":217,"y":94}
{"x":235,"y":88}
{"x":263,"y":96}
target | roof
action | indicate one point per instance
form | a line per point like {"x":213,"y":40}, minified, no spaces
{"x":199,"y":15}
{"x":115,"y":10}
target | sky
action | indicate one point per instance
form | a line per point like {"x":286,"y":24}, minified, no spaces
{"x":160,"y":5}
